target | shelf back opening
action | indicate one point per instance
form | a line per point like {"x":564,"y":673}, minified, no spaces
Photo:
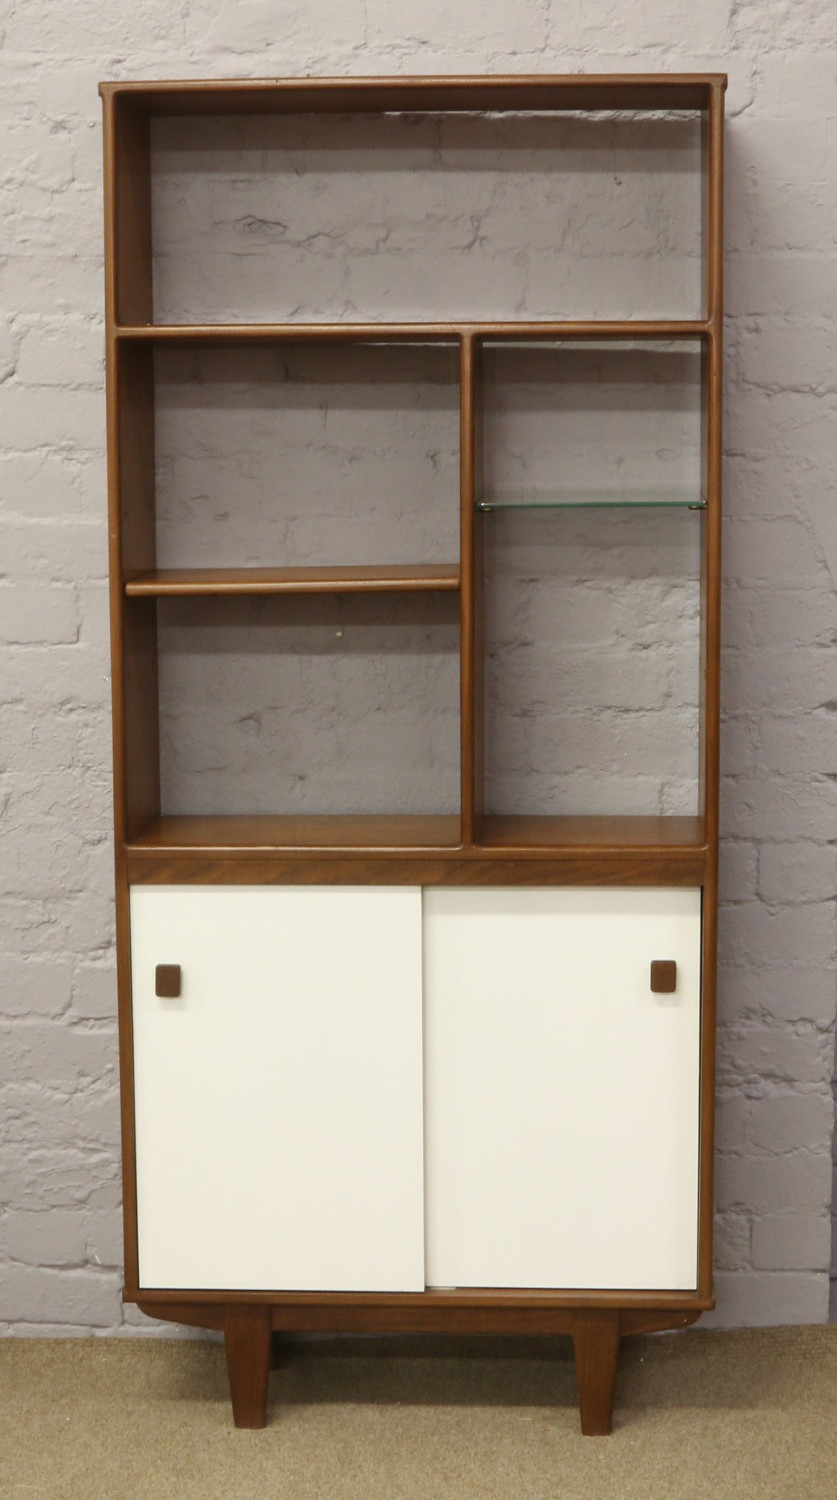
{"x":592,"y":663}
{"x":307,"y":455}
{"x":396,"y":216}
{"x":309,"y":705}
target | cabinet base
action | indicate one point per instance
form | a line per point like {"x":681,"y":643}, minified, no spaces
{"x":250,"y":1335}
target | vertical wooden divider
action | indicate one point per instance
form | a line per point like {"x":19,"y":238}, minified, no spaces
{"x":139,"y":721}
{"x":131,"y":530}
{"x":471,"y":591}
{"x":130,"y":376}
{"x":712,"y":376}
{"x":714,"y":452}
{"x":131,"y":197}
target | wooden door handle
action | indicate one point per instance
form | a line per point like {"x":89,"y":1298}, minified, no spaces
{"x":167,"y":981}
{"x":663,"y":976}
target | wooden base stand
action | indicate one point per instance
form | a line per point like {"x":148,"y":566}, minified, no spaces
{"x":248,"y":1344}
{"x":596,"y":1344}
{"x":251,"y":1337}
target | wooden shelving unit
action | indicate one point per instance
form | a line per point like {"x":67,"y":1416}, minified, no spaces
{"x":481,"y":847}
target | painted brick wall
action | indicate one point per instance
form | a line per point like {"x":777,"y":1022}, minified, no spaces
{"x":59,"y":1184}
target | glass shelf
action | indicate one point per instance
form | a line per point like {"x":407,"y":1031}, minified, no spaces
{"x":597,"y":500}
{"x":683,"y":341}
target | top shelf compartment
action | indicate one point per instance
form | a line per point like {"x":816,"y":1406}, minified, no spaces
{"x":524,"y":200}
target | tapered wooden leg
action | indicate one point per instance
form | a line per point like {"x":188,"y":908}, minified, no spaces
{"x":596,"y":1343}
{"x":247,"y":1340}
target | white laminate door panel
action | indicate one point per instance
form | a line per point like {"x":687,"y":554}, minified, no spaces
{"x":279,"y":1100}
{"x":561,"y":1095}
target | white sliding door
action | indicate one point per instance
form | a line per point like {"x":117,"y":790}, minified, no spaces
{"x":279,"y":1099}
{"x":561,"y":1094}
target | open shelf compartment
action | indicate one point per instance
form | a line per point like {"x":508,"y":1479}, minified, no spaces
{"x":591,"y":424}
{"x":592,"y":676}
{"x":306,"y":456}
{"x":357,"y":201}
{"x":303,"y":707}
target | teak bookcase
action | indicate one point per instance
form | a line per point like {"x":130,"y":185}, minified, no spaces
{"x":396,"y":1070}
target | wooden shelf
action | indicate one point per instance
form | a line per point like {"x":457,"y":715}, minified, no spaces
{"x":593,"y":833}
{"x":357,"y":834}
{"x":579,"y":838}
{"x":394,"y":333}
{"x":415,"y":850}
{"x":420,"y":578}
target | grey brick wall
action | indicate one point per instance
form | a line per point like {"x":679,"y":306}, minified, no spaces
{"x":59,"y":1180}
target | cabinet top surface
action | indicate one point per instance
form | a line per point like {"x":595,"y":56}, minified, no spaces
{"x":644,"y":91}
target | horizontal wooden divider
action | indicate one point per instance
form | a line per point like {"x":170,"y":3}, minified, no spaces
{"x":421,"y":578}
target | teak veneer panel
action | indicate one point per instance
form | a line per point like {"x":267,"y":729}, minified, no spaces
{"x":419,"y":865}
{"x":334,"y":1309}
{"x":533,"y":92}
